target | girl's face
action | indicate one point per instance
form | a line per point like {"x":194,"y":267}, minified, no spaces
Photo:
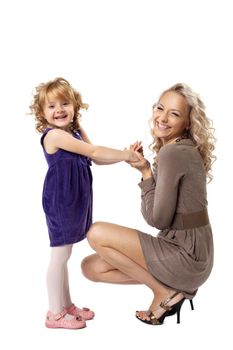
{"x":58,"y":113}
{"x":170,"y":117}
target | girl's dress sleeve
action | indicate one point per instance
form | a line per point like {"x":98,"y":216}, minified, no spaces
{"x":159,"y":193}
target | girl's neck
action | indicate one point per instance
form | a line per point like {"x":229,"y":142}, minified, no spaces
{"x":67,"y":129}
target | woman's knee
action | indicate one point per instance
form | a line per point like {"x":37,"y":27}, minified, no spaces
{"x":88,"y":268}
{"x":95,"y":233}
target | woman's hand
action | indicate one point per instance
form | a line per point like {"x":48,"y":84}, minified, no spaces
{"x":142,"y":164}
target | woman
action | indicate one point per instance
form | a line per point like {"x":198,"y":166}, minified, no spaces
{"x":176,"y":262}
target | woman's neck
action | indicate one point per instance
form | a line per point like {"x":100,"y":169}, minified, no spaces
{"x":175,"y":140}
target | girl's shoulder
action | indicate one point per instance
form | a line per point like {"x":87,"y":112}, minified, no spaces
{"x":57,"y":133}
{"x":45,"y":132}
{"x":56,"y":137}
{"x":77,"y":135}
{"x":54,"y":133}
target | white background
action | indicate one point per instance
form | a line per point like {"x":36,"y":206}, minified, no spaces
{"x":120,"y":55}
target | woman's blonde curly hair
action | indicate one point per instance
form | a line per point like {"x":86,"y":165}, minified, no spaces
{"x":200,"y":129}
{"x":58,"y":88}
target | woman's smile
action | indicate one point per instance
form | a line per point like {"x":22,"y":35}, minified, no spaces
{"x":171,"y":117}
{"x":162,"y":126}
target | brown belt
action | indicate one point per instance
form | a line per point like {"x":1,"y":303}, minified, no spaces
{"x":192,"y":220}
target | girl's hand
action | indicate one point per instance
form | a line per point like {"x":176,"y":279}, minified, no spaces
{"x":137,"y":146}
{"x":142,"y":164}
{"x":133,"y":157}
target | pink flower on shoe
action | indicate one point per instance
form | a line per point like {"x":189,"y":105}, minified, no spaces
{"x":85,"y":313}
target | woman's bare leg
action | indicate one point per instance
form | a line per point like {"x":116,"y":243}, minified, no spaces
{"x":120,"y":248}
{"x":98,"y":270}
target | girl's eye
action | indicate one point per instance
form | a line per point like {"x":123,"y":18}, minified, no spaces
{"x":65,"y":103}
{"x":51,"y":106}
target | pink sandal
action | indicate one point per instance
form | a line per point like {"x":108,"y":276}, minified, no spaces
{"x":59,"y":321}
{"x":85,"y":313}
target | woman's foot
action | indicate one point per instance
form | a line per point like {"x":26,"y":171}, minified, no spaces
{"x":161,"y":307}
{"x":64,"y":320}
{"x":85,"y":313}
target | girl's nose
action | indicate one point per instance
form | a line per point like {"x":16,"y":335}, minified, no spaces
{"x":59,"y":108}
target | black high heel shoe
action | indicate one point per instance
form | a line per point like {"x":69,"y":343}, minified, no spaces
{"x":172,"y":312}
{"x":169,"y":311}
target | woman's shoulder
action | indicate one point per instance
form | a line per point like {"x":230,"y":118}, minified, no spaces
{"x":179,"y":152}
{"x":170,"y":150}
{"x":176,"y":148}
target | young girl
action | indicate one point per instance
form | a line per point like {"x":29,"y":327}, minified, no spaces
{"x":67,"y":193}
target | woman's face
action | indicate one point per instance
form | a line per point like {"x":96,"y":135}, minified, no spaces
{"x":170,"y":117}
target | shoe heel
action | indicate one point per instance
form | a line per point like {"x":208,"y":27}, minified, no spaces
{"x":178,"y":308}
{"x":178,"y":316}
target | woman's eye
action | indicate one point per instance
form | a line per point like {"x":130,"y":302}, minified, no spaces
{"x":175,"y":114}
{"x":159,"y":108}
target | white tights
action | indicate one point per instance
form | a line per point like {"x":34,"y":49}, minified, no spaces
{"x":58,"y":279}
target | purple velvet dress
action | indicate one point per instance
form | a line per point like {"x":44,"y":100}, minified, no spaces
{"x":67,"y":196}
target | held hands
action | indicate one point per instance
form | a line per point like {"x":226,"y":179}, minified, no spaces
{"x":137,"y":147}
{"x":132,"y":156}
{"x":142,"y":163}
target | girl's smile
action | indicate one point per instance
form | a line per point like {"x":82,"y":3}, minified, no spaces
{"x":59,"y":113}
{"x":61,"y":117}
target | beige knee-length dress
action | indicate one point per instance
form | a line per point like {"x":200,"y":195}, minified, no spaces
{"x":179,"y":258}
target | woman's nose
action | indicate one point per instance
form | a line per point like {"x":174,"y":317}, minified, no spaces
{"x":163,"y":117}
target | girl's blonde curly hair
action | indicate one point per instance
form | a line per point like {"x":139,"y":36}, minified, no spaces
{"x":200,"y":130}
{"x":61,"y":89}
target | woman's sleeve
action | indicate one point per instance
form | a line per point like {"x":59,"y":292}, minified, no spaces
{"x":159,"y":194}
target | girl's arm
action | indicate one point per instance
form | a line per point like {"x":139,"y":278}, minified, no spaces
{"x":86,"y":139}
{"x":59,"y":139}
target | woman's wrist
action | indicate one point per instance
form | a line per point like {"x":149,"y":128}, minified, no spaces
{"x":147,"y":172}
